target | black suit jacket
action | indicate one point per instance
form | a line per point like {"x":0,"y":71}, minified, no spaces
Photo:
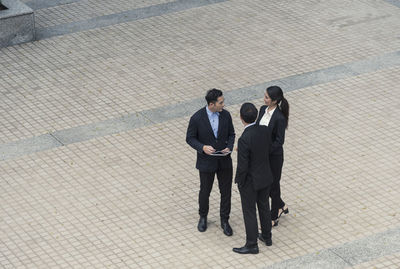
{"x":277,"y":126}
{"x":253,"y":158}
{"x":199,"y":133}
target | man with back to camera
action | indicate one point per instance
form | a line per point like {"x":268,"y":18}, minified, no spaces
{"x":210,"y":132}
{"x":254,"y":179}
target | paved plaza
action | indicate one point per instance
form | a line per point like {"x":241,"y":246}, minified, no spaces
{"x":94,"y":168}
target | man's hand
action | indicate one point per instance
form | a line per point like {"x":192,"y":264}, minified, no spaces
{"x":208,"y":149}
{"x":225,"y":150}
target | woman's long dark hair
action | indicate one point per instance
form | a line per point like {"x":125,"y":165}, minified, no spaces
{"x":276,"y":94}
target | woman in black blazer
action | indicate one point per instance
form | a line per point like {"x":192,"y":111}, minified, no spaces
{"x":275,"y":115}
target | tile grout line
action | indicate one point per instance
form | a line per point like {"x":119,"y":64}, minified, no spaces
{"x":172,"y":111}
{"x":55,"y":138}
{"x":340,"y":257}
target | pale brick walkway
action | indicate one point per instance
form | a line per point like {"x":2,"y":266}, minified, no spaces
{"x":129,"y":200}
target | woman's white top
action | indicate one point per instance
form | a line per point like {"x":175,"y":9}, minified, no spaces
{"x":267,"y":117}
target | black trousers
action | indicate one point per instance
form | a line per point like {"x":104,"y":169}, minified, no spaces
{"x":276,"y":163}
{"x":224,"y":177}
{"x":250,"y":198}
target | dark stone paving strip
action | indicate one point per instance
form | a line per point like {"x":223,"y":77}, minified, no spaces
{"x":99,"y":129}
{"x":348,"y":254}
{"x":126,"y":16}
{"x":174,"y":111}
{"x":394,"y":2}
{"x":313,"y":78}
{"x":42,"y":4}
{"x":28,"y":146}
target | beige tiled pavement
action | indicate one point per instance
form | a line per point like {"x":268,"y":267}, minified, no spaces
{"x":84,"y":10}
{"x":104,"y":73}
{"x":129,"y":200}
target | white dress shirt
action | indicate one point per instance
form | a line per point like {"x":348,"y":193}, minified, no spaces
{"x":213,"y":117}
{"x":267,"y":117}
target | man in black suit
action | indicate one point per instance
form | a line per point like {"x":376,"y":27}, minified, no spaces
{"x":210,"y":132}
{"x":254,"y":178}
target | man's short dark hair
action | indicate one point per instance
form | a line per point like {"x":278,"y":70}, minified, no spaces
{"x":212,"y":95}
{"x":248,"y":112}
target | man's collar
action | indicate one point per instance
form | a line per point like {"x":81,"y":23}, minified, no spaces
{"x":248,"y":125}
{"x":209,"y":112}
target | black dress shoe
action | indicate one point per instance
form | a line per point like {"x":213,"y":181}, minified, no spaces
{"x":202,"y":226}
{"x":246,"y":250}
{"x":226,"y":227}
{"x":267,"y":241}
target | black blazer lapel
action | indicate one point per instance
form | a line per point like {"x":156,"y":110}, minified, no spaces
{"x":208,"y":124}
{"x":272,"y":120}
{"x":261,"y":114}
{"x":221,"y":121}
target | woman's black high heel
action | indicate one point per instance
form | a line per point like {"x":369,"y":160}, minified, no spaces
{"x":286,"y":211}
